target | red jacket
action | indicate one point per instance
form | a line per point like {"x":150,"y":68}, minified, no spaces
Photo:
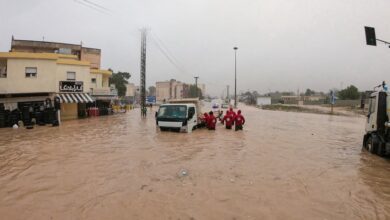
{"x":228,"y":118}
{"x":239,"y":119}
{"x":233,"y":113}
{"x":211,"y":122}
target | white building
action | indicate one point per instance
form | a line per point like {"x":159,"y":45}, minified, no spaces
{"x":265,"y":100}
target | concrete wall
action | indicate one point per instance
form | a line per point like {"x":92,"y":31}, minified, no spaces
{"x":345,"y":103}
{"x":130,"y":90}
{"x":49,"y":73}
{"x":98,"y":84}
{"x":16,"y":81}
{"x":91,"y":55}
{"x":163,"y":91}
{"x":105,"y":81}
{"x":263,"y":101}
{"x":82,"y":74}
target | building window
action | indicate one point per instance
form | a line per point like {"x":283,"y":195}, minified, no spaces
{"x":71,"y":76}
{"x":93,"y":80}
{"x":31,"y":72}
{"x":3,"y":72}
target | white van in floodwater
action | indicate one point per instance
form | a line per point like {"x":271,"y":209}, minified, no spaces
{"x":179,"y":115}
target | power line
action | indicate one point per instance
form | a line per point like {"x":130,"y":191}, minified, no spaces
{"x":181,"y":70}
{"x":165,"y":51}
{"x":90,"y":6}
{"x":96,"y":5}
{"x":163,"y":45}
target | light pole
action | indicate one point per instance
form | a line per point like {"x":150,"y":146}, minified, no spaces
{"x":196,"y":86}
{"x":235,"y":76}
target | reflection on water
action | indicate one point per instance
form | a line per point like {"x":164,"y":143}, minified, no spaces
{"x":282,"y":166}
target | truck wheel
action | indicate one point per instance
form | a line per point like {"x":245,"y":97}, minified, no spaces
{"x":381,"y":150}
{"x":371,"y":145}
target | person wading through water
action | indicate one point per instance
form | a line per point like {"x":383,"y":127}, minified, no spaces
{"x":205,"y":120}
{"x":239,"y":121}
{"x":227,"y":120}
{"x":212,"y":121}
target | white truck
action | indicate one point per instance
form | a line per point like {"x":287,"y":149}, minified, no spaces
{"x":179,"y":115}
{"x":377,"y":137}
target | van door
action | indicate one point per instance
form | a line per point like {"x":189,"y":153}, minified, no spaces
{"x":372,"y":114}
{"x":191,"y":120}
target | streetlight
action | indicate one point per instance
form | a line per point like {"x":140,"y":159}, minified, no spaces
{"x":196,"y":86}
{"x":235,"y":76}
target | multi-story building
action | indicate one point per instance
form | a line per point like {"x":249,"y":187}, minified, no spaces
{"x":131,"y":92}
{"x":163,"y":91}
{"x":202,"y":88}
{"x":34,"y":71}
{"x":171,"y":90}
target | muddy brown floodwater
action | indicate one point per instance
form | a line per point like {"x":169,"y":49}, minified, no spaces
{"x":284,"y":165}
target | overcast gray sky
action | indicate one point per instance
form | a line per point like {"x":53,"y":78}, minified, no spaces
{"x":283,"y":44}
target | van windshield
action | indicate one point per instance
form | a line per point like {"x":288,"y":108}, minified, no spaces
{"x":172,"y":111}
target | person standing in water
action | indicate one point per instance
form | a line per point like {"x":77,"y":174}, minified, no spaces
{"x":239,"y":121}
{"x":212,"y":121}
{"x":227,"y":120}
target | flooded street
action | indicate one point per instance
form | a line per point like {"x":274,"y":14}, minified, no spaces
{"x":283,"y":165}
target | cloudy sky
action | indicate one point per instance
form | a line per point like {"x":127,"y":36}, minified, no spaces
{"x":283,"y":44}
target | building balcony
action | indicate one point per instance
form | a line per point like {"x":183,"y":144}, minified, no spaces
{"x":104,"y":92}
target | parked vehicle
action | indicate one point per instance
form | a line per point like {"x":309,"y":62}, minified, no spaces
{"x":179,"y":115}
{"x":225,"y":106}
{"x":377,"y":137}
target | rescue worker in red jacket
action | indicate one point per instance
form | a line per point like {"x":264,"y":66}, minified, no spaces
{"x":205,"y":120}
{"x":228,"y":120}
{"x":239,"y":121}
{"x":232,"y":113}
{"x":212,"y":121}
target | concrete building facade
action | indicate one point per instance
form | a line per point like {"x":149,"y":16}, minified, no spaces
{"x":34,"y":72}
{"x":171,"y":90}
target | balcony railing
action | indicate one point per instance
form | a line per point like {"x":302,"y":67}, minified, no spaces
{"x":103,"y":91}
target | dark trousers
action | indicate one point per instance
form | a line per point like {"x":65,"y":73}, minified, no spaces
{"x":238,"y":127}
{"x":228,"y":127}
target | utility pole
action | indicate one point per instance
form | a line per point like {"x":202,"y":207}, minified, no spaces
{"x":227,"y":94}
{"x":143,"y":72}
{"x":196,"y":86}
{"x":235,"y":76}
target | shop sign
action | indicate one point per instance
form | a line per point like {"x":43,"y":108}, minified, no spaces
{"x":71,"y":86}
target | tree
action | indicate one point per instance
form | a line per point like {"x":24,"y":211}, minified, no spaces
{"x":119,"y":79}
{"x":351,"y":92}
{"x":309,"y":92}
{"x":250,"y":98}
{"x":194,"y":91}
{"x":152,"y":91}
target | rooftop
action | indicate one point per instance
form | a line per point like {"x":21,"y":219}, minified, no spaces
{"x":47,"y":44}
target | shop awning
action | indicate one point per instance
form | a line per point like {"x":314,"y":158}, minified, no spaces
{"x":75,"y":97}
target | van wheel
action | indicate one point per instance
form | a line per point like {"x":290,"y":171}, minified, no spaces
{"x":371,"y":145}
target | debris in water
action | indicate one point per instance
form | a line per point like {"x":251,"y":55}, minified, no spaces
{"x":183,"y":173}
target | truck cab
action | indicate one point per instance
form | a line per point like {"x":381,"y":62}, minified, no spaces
{"x":377,"y":137}
{"x":177,"y":117}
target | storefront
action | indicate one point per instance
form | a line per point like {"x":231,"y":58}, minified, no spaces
{"x":73,"y":100}
{"x":33,"y":108}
